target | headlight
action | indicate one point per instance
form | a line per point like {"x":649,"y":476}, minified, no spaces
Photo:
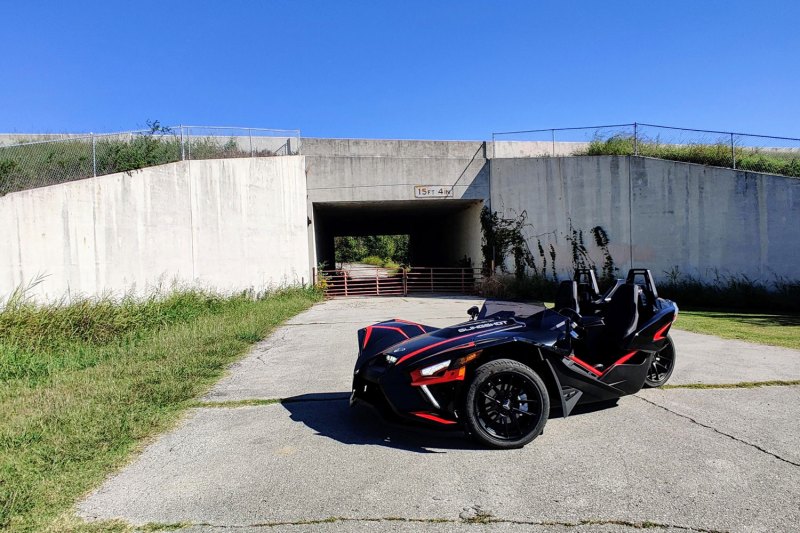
{"x":390,"y":359}
{"x":431,"y":370}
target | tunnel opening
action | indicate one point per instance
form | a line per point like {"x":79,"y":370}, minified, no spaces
{"x":441,"y":233}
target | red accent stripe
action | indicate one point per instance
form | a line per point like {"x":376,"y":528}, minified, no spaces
{"x":434,"y":345}
{"x":412,"y":323}
{"x":585,"y":365}
{"x":659,"y":336}
{"x":366,"y":337}
{"x":623,"y":359}
{"x":435,"y":418}
{"x":403,"y":333}
{"x":370,"y":328}
{"x":459,"y":347}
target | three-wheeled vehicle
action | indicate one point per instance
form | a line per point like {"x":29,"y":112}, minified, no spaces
{"x":499,"y":374}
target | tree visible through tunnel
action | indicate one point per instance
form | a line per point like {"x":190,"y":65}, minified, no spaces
{"x":377,"y":250}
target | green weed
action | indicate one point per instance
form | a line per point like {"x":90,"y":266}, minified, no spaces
{"x":718,"y":155}
{"x":84,"y":384}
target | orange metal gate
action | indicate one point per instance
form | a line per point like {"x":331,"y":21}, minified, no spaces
{"x":378,"y":281}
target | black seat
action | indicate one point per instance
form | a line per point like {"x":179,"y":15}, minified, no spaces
{"x":588,"y":299}
{"x":649,"y":293}
{"x":621,"y":316}
{"x":567,"y":296}
{"x":588,"y":291}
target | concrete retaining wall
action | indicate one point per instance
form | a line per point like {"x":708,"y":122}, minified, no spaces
{"x":227,"y":224}
{"x":658,"y":214}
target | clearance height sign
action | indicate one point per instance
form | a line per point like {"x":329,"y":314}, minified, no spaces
{"x":432,"y":191}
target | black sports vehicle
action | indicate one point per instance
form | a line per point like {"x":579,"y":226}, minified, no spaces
{"x":499,"y":374}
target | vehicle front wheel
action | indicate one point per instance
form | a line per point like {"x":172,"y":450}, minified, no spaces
{"x":506,"y":405}
{"x":662,"y":366}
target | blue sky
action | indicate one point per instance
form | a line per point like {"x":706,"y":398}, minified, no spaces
{"x":401,"y":69}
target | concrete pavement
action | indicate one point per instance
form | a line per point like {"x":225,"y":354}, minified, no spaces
{"x":702,"y":460}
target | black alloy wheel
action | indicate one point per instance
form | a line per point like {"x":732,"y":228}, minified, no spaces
{"x":507,"y":404}
{"x":662,"y":366}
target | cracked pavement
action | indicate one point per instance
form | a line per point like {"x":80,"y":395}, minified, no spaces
{"x":675,"y":460}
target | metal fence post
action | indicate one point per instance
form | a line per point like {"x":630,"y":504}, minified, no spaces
{"x":189,"y":137}
{"x":635,"y":139}
{"x":183,"y":148}
{"x":553,"y":136}
{"x":94,"y":155}
{"x":250,"y":133}
{"x":733,"y":152}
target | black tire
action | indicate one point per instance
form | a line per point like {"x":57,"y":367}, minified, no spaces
{"x":506,"y":405}
{"x":662,"y":366}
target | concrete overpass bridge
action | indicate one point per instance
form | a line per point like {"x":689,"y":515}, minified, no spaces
{"x":265,"y":221}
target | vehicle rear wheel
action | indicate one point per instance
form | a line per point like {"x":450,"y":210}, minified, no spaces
{"x":506,"y":404}
{"x":662,"y":366}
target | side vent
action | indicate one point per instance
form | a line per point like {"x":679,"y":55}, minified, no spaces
{"x":571,"y":397}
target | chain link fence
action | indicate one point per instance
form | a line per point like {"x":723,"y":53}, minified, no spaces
{"x":31,"y":164}
{"x":744,"y":151}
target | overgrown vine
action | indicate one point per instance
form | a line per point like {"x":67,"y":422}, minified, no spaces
{"x":504,"y":236}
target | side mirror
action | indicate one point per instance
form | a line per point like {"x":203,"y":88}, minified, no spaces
{"x":473,"y":312}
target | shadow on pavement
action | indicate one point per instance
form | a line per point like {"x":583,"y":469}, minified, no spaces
{"x":330,"y":415}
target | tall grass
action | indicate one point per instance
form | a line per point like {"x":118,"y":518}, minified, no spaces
{"x":513,"y":287}
{"x":737,"y":292}
{"x":731,"y":292}
{"x":718,"y":155}
{"x":32,"y":165}
{"x":82,"y":384}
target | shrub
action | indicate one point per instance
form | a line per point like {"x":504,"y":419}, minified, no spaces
{"x":731,"y":292}
{"x":373,"y":260}
{"x":718,"y":155}
{"x":505,"y":286}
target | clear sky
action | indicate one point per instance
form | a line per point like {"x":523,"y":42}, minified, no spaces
{"x":399,"y":69}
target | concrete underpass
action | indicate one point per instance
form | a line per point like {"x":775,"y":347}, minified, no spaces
{"x":262,"y":222}
{"x":441,"y":232}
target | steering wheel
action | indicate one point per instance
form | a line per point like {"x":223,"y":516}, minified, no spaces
{"x":571,"y":314}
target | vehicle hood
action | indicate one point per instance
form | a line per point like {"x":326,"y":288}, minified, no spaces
{"x":459,"y":336}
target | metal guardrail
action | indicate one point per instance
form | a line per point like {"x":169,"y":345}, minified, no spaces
{"x":39,"y":163}
{"x":378,"y":281}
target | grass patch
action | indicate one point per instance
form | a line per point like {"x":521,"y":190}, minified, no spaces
{"x":236,"y":403}
{"x":774,"y":329}
{"x":740,"y":385}
{"x":503,"y":286}
{"x":373,"y":260}
{"x":736,"y":317}
{"x":731,"y":292}
{"x":84,"y":384}
{"x":25,"y":166}
{"x":718,"y":155}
